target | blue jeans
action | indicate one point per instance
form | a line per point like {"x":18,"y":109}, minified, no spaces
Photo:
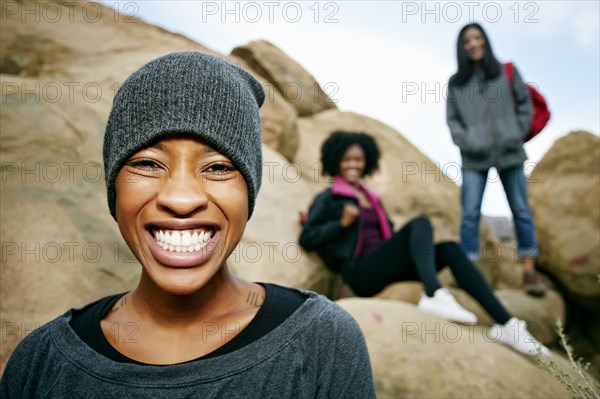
{"x":515,"y":187}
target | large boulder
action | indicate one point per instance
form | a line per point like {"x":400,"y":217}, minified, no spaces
{"x":564,"y":190}
{"x":278,"y":116}
{"x":88,"y":46}
{"x":285,"y":75}
{"x":279,"y":125}
{"x":415,"y":355}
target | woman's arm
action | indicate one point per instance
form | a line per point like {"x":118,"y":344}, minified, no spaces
{"x":453,"y":118}
{"x":322,"y":224}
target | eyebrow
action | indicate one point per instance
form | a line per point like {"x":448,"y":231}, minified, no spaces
{"x":158,"y":146}
{"x":207,"y":150}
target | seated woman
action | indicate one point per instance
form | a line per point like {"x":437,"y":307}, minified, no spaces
{"x":183,"y":162}
{"x":351,"y":231}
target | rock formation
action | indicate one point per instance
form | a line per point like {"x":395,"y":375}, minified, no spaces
{"x":565,"y":200}
{"x":287,"y":76}
{"x":415,"y":355}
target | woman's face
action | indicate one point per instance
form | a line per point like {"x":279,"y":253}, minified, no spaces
{"x":352,"y":165}
{"x":182,"y":208}
{"x":474,"y":44}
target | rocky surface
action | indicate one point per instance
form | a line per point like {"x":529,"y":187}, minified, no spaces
{"x":415,"y":355}
{"x":501,"y":226}
{"x":286,"y":75}
{"x":564,"y":190}
{"x":565,"y":197}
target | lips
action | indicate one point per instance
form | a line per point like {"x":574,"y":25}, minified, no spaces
{"x":187,"y":247}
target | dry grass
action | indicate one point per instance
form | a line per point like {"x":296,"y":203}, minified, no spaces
{"x":577,"y":380}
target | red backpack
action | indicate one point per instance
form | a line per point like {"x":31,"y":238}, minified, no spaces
{"x":541,"y":113}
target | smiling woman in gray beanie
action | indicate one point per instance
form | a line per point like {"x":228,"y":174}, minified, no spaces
{"x":182,"y":155}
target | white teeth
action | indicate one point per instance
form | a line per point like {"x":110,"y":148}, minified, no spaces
{"x":182,"y":241}
{"x":186,"y":239}
{"x":175,"y":238}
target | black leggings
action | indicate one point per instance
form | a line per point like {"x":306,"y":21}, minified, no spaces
{"x":410,"y":254}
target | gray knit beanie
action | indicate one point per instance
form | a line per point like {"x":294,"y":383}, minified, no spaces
{"x":193,"y":94}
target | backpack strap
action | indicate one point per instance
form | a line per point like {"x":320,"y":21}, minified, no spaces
{"x":508,"y":70}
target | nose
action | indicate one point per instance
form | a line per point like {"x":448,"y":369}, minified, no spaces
{"x":182,"y":195}
{"x":356,"y":163}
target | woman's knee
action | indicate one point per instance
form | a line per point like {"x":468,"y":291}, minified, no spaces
{"x":449,"y":247}
{"x":421,"y":221}
{"x":450,"y":253}
{"x":421,"y":225}
{"x":471,"y":215}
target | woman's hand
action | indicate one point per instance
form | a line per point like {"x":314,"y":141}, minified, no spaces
{"x":349,"y":214}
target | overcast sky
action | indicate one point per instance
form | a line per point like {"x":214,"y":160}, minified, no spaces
{"x":391,"y":60}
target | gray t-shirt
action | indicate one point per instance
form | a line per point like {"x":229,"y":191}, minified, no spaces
{"x":318,"y":352}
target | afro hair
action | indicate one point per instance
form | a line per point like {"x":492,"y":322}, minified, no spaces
{"x":334,"y":148}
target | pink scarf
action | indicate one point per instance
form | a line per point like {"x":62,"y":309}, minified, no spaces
{"x":342,"y":187}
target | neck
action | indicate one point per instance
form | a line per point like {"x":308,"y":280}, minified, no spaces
{"x":223,"y":294}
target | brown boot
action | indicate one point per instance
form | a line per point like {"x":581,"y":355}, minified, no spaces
{"x":533,"y":283}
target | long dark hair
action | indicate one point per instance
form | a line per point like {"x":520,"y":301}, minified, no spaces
{"x":491,"y":66}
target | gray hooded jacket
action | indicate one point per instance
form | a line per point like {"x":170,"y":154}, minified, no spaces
{"x":488,"y":120}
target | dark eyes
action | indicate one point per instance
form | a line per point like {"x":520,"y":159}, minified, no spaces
{"x":217,"y":168}
{"x":220,"y":168}
{"x":145,"y":164}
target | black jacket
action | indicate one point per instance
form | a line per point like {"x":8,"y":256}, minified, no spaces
{"x":324,"y":233}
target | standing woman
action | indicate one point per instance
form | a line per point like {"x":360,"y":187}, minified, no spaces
{"x":183,"y":162}
{"x":351,"y":231}
{"x":488,"y":120}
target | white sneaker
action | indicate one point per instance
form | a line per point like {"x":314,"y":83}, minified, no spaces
{"x":514,"y":334}
{"x":443,"y":304}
